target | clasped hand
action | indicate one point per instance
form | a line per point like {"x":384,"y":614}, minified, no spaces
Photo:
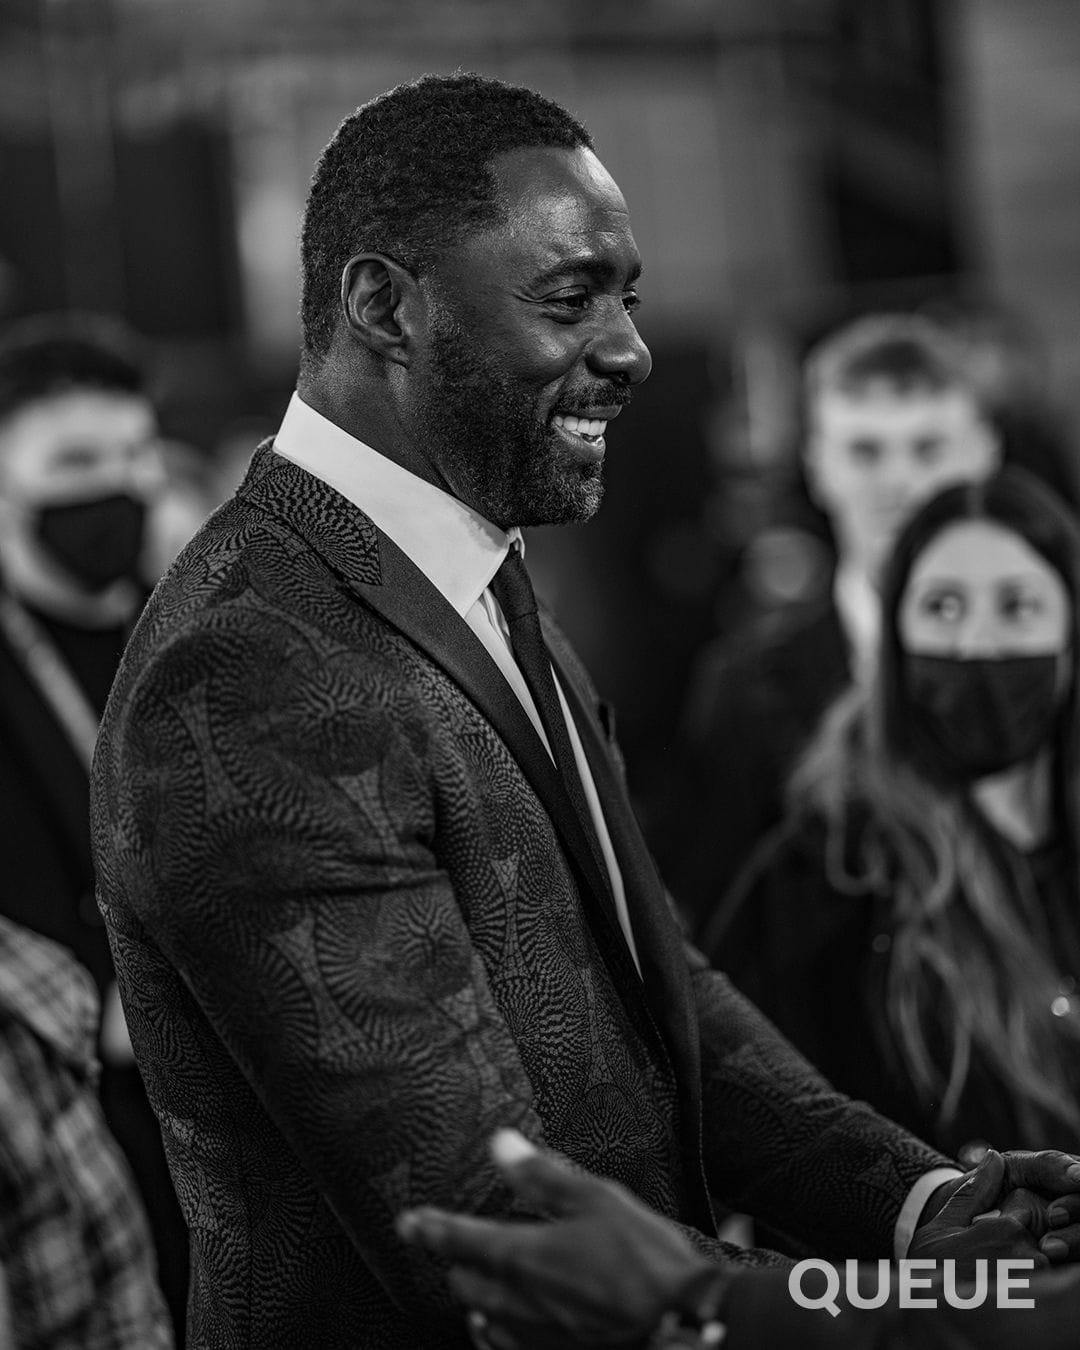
{"x":606,"y":1270}
{"x":1012,"y":1205}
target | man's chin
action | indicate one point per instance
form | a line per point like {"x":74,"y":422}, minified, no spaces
{"x":568,"y":503}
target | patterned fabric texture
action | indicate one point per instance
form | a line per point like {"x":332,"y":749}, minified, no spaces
{"x":74,"y":1247}
{"x":351,"y":942}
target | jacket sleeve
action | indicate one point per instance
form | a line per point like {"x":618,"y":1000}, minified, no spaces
{"x":825,"y":1170}
{"x":272,"y":825}
{"x":782,"y":1144}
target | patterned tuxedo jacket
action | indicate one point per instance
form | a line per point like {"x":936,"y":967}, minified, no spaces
{"x":358,"y":927}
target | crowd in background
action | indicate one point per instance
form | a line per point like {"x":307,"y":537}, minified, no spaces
{"x":855,"y":748}
{"x":875,"y":795}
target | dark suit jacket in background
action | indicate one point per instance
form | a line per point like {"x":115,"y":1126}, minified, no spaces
{"x":756,"y":701}
{"x":48,"y":886}
{"x":815,"y":959}
{"x":44,"y":806}
{"x":358,"y":928}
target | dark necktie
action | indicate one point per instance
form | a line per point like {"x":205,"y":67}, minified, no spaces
{"x":513,"y":590}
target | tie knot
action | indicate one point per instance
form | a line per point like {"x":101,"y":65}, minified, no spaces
{"x":512,"y":588}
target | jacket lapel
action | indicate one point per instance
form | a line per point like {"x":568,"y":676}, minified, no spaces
{"x":659,"y":941}
{"x":658,"y":937}
{"x":382,"y":577}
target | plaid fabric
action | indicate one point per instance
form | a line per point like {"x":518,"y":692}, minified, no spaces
{"x":74,"y":1244}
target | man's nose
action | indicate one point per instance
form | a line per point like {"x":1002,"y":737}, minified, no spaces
{"x":618,"y":349}
{"x":900,"y":477}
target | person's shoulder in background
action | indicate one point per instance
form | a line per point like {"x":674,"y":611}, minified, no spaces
{"x":755,"y":700}
{"x":75,"y":1250}
{"x":791,"y":660}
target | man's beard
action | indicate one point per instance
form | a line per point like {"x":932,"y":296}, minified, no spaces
{"x":484,"y":432}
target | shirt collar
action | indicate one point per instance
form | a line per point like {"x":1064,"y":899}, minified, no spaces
{"x":453,"y":545}
{"x":859,"y":608}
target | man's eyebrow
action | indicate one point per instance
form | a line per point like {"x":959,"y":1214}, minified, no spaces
{"x":593,"y":268}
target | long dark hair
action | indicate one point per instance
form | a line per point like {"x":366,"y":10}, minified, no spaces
{"x":1018,"y":502}
{"x":970,"y":956}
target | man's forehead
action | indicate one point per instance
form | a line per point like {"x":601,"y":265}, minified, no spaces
{"x":879,"y":404}
{"x":546,"y":174}
{"x":561,"y":203}
{"x":562,"y":214}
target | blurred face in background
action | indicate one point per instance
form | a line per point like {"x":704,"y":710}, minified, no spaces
{"x":78,"y":471}
{"x":877,"y":452}
{"x":980,"y":590}
{"x":986,"y":631}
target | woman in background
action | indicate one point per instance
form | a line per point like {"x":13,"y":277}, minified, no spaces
{"x":913,"y":926}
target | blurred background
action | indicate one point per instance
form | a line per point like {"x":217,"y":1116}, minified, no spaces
{"x":788,"y":163}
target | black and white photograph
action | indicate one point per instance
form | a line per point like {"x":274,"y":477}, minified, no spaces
{"x":539,"y":691}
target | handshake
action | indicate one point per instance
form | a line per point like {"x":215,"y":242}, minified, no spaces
{"x":1010,"y":1205}
{"x":606,"y":1270}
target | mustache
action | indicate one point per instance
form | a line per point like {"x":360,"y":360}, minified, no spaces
{"x":596,"y":396}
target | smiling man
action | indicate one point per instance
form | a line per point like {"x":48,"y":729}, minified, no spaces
{"x":363,"y":843}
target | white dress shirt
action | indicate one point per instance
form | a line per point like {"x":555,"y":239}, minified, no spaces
{"x":457,"y":550}
{"x":859,"y":608}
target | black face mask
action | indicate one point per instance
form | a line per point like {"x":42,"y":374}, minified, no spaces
{"x":97,"y":541}
{"x":969,"y":719}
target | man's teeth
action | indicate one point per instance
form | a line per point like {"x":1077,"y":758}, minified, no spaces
{"x":583,"y":426}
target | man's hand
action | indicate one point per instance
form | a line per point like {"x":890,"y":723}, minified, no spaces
{"x":1011,"y":1205}
{"x":1055,"y":1178}
{"x":971,"y":1224}
{"x":602,"y":1275}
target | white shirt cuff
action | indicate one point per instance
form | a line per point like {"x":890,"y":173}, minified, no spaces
{"x":913,"y":1207}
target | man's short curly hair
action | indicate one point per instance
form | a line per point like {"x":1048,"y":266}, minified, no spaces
{"x":409,"y":173}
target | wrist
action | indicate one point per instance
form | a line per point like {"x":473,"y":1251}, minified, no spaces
{"x":936,"y":1201}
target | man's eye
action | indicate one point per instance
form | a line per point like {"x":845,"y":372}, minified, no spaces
{"x":578,"y":301}
{"x":631,"y":301}
{"x":865,"y":450}
{"x":77,"y":457}
{"x":928,"y":449}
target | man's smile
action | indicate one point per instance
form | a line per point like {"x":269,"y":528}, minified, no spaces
{"x":585,"y":429}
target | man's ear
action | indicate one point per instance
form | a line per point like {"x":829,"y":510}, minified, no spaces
{"x":380,"y":302}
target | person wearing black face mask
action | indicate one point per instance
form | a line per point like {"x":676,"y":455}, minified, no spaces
{"x":974,"y":717}
{"x":97,"y":541}
{"x":79,"y":471}
{"x":914,"y":924}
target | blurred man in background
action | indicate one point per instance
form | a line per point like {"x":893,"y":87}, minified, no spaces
{"x":893,"y":414}
{"x":79,"y":473}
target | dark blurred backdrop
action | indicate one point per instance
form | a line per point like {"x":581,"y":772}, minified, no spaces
{"x":788,"y":163}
